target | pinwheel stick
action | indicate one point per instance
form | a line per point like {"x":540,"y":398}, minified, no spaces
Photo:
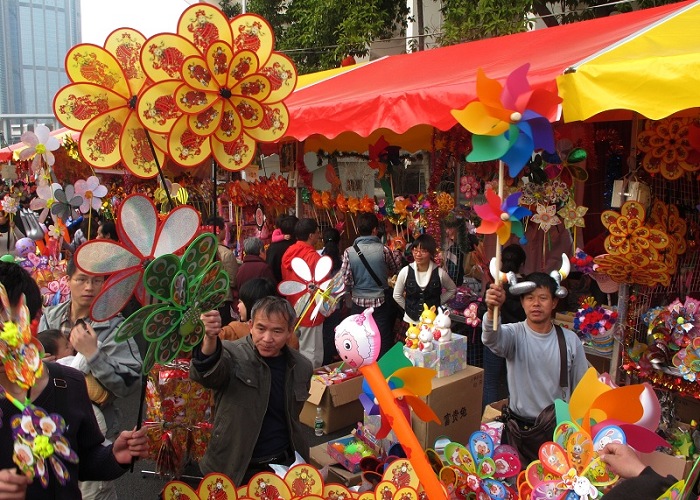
{"x":160,"y":170}
{"x":401,"y":426}
{"x":501,"y":182}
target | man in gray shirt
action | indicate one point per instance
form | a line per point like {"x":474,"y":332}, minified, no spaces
{"x":531,"y":349}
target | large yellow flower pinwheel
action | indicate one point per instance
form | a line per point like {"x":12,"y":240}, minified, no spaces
{"x":633,"y":268}
{"x":101,"y":103}
{"x":667,"y":149}
{"x":629,"y":234}
{"x":219,"y":87}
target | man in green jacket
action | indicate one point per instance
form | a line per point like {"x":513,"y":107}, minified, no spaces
{"x":260,"y":386}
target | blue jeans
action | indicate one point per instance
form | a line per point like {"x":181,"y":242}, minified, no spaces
{"x":494,"y":376}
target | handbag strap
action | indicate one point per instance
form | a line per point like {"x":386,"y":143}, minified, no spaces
{"x":563,"y":365}
{"x":369,"y":269}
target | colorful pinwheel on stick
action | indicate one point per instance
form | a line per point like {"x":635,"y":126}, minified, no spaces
{"x":502,"y":218}
{"x":142,"y":238}
{"x":309,"y":288}
{"x":509,"y":122}
{"x":106,"y":84}
{"x":219,"y":87}
{"x":185,"y":287}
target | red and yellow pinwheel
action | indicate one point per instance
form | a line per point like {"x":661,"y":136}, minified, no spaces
{"x":101,"y":103}
{"x":501,"y":218}
{"x":219,"y":87}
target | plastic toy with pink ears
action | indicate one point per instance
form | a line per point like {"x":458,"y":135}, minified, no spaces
{"x":358,"y":342}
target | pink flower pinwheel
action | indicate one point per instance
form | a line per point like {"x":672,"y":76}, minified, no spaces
{"x":509,"y":122}
{"x":546,"y":217}
{"x":501,"y":218}
{"x":142,"y":238}
{"x":92,"y":192}
{"x":310,"y":286}
{"x":45,"y":199}
{"x":469,"y":185}
{"x":471,"y":313}
{"x":40,"y":143}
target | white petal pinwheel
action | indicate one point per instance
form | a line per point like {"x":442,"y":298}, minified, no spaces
{"x":308,"y":285}
{"x":142,"y":238}
{"x":92,"y":192}
{"x":40,"y":143}
{"x":327,"y":298}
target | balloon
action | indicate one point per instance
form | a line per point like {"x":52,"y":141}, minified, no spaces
{"x":357,"y":339}
{"x":25,"y":246}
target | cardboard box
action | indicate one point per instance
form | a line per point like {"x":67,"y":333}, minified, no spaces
{"x":447,"y":358}
{"x":371,"y":426}
{"x":493,"y":411}
{"x":666,"y":465}
{"x":565,"y":320}
{"x":336,"y":473}
{"x":339,"y":403}
{"x":456,"y":400}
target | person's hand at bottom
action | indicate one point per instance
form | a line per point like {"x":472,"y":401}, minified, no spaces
{"x":131,"y":444}
{"x":13,"y":486}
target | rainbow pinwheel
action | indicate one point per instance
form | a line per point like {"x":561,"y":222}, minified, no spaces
{"x":142,"y":238}
{"x":185,"y":287}
{"x":101,"y":102}
{"x":509,"y":122}
{"x":501,"y":218}
{"x":218,"y":87}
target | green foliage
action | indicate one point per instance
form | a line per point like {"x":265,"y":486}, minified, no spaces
{"x":466,"y":20}
{"x":318,"y":34}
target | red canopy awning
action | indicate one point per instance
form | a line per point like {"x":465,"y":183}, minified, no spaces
{"x":398,"y":93}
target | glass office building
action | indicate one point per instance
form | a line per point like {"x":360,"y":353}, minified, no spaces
{"x":35,"y":36}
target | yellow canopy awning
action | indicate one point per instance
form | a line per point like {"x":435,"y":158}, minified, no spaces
{"x":654,"y":72}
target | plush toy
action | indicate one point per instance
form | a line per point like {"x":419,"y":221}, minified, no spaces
{"x":442,"y":326}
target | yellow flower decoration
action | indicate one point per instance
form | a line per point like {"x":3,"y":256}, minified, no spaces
{"x":633,"y":268}
{"x":666,"y":147}
{"x":629,"y":234}
{"x":219,"y":87}
{"x":573,"y":214}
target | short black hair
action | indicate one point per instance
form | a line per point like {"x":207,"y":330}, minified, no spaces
{"x":543,"y":280}
{"x":71,"y":268}
{"x":109,"y":228}
{"x":512,"y":258}
{"x":216,"y":222}
{"x":275,"y":305}
{"x":305,"y":228}
{"x":426,"y":242}
{"x":18,"y":282}
{"x":366,"y":223}
{"x":49,"y":339}
{"x":253,"y":290}
{"x":287,"y":224}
